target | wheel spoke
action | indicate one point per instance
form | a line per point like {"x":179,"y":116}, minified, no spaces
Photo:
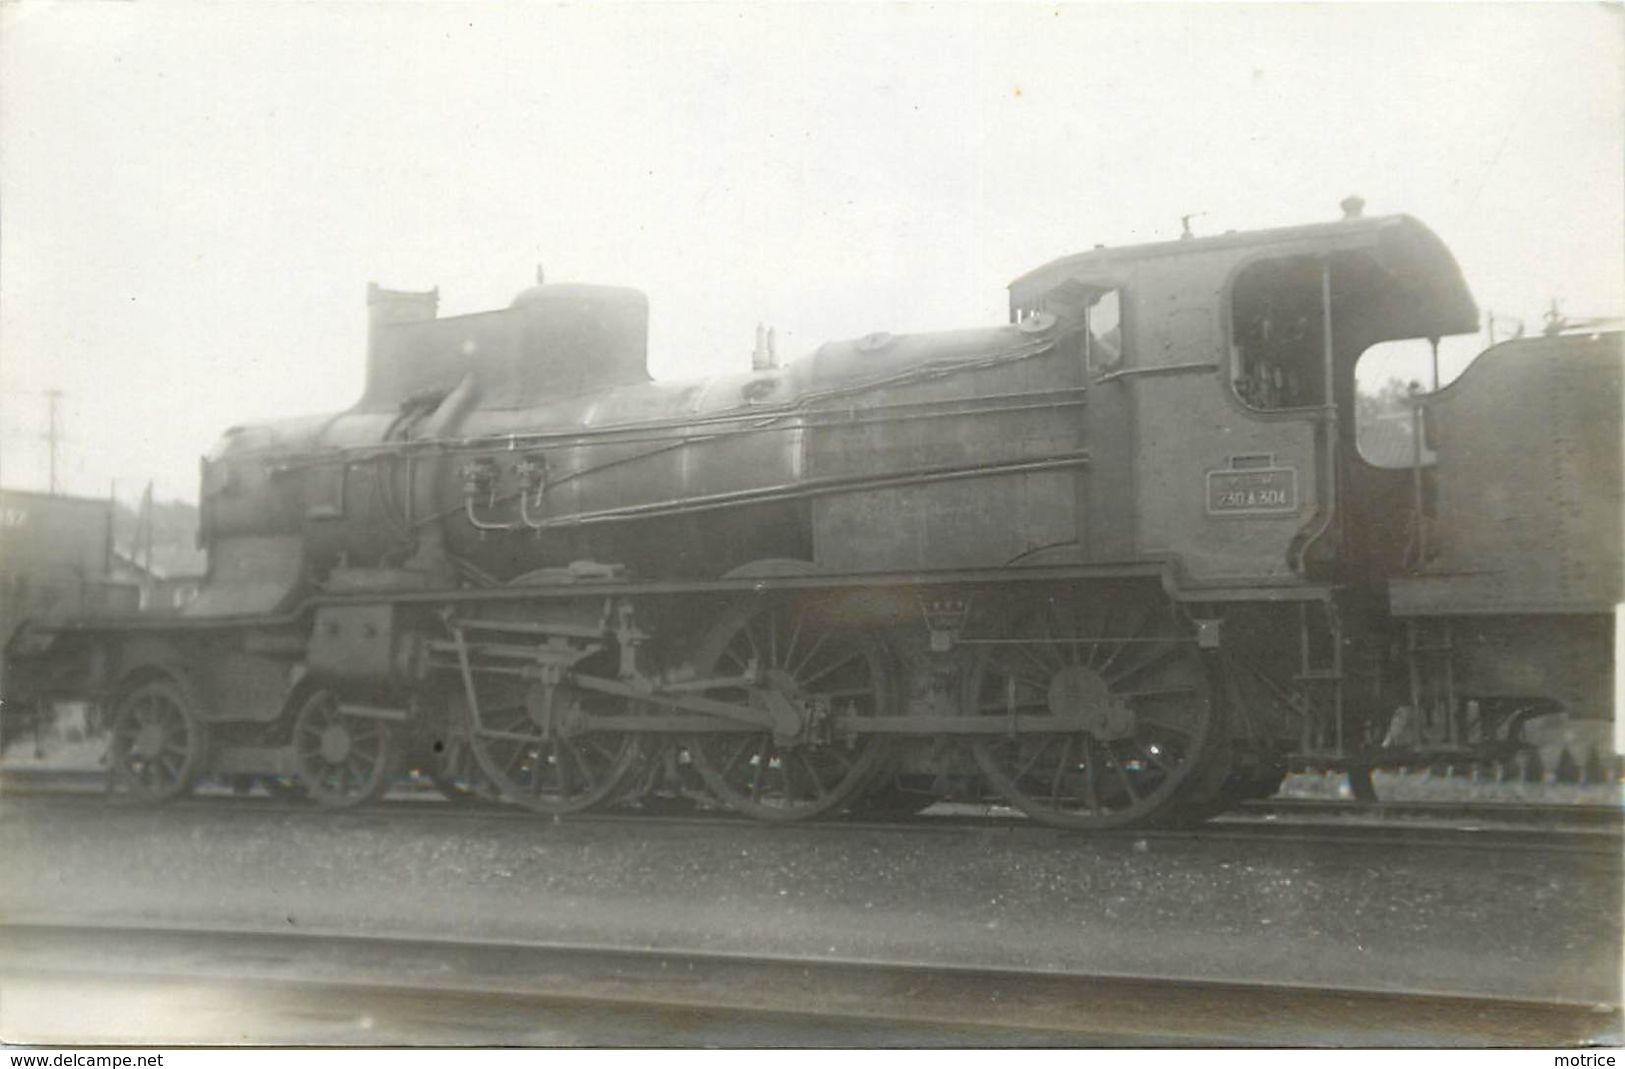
{"x":1074,"y":779}
{"x":1045,"y":742}
{"x":1054,"y":657}
{"x":808,"y":681}
{"x":1134,"y":632}
{"x":1186,"y":730}
{"x":1091,"y":776}
{"x":818,"y":784}
{"x":583,"y":771}
{"x":754,"y":774}
{"x":1045,"y":670}
{"x":1101,"y":629}
{"x":1037,"y":683}
{"x":1161,"y":655}
{"x":1122,"y":774}
{"x":787,"y":779}
{"x":834,"y":752}
{"x":818,"y":644}
{"x":795,"y":632}
{"x":1060,"y":769}
{"x":739,"y":751}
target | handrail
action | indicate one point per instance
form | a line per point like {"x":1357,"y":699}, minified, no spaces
{"x":1157,"y":369}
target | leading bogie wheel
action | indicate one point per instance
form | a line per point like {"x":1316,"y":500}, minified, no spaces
{"x":159,"y":743}
{"x":1122,"y":666}
{"x":344,"y":758}
{"x":812,"y":659}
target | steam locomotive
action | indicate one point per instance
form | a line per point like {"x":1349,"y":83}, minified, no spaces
{"x":1117,"y":561}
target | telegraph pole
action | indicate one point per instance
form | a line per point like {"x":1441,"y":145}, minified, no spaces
{"x":53,"y":431}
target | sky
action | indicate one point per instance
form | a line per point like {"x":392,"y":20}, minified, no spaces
{"x":193,"y":196}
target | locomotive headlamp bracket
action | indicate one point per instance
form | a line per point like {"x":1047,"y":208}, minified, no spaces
{"x":479,"y":476}
{"x":945,"y":617}
{"x":532,"y":471}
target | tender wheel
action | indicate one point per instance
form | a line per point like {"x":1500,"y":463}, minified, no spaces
{"x":812,"y":661}
{"x":159,"y":744}
{"x":532,"y":743}
{"x":343,"y":759}
{"x":1122,"y":664}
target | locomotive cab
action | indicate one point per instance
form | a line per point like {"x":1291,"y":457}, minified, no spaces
{"x":1225,"y":400}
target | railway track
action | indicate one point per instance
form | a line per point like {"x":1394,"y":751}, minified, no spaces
{"x":1517,"y":814}
{"x":1485,"y":826}
{"x":174,"y":986}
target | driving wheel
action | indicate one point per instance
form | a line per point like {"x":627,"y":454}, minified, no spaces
{"x":534,"y":745}
{"x":806,"y":657}
{"x":1123,"y":668}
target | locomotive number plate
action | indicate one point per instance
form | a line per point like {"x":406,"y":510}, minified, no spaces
{"x":1254,"y":492}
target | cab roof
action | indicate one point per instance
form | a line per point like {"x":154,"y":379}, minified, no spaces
{"x":1401,"y":245}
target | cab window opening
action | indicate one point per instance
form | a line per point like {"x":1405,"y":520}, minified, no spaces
{"x":1278,"y":334}
{"x":1105,"y":333}
{"x":1100,"y":311}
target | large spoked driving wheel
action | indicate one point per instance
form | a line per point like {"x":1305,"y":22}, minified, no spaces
{"x":817,"y":665}
{"x":158,"y":743}
{"x":1124,"y":670}
{"x":535,"y":746}
{"x":344,"y":759}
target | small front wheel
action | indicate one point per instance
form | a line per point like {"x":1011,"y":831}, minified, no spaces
{"x":159,"y":743}
{"x":344,"y":759}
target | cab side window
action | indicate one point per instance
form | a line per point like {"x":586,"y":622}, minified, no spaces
{"x":1100,"y":310}
{"x":1277,"y":334}
{"x":1105,"y":333}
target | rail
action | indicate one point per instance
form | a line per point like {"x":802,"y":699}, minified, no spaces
{"x":398,"y":990}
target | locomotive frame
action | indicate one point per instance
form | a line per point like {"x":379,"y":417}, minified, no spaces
{"x":1116,"y":562}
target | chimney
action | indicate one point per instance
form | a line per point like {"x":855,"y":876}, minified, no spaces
{"x":762,"y":357}
{"x":387,"y":307}
{"x":399,"y":306}
{"x":1353,"y":206}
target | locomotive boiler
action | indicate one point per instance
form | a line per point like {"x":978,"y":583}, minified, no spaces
{"x":1116,"y":561}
